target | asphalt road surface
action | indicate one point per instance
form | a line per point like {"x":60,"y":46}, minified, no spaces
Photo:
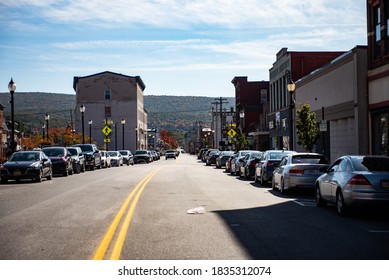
{"x":141,"y":212}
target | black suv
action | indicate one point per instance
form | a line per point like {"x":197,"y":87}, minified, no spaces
{"x":92,"y":155}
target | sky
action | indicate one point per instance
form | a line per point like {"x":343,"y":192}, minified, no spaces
{"x":177,"y":47}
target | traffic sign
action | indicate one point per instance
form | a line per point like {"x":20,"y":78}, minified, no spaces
{"x":107,"y":140}
{"x":231,"y":133}
{"x":106,"y":130}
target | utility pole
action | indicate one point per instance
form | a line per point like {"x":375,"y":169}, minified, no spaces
{"x":219,"y":101}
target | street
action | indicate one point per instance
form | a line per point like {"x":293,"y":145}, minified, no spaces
{"x":140,"y":212}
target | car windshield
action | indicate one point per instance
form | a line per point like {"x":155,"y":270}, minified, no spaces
{"x":370,"y":163}
{"x":124,"y":153}
{"x":54,"y":152}
{"x":72,"y":151}
{"x":227,"y":153}
{"x":86,"y":148}
{"x":25,"y":157}
{"x":113,"y":154}
{"x":170,"y":152}
{"x":140,"y":152}
{"x":312,"y":159}
{"x":276,"y":155}
{"x":256,"y":154}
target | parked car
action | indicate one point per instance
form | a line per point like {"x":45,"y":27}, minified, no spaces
{"x":116,"y":158}
{"x":354,"y":181}
{"x":128,"y":158}
{"x":170,"y":154}
{"x":229,"y":161}
{"x":298,"y":170}
{"x":235,"y":163}
{"x":154,"y":155}
{"x":265,"y":167}
{"x":222,"y":158}
{"x":201,"y":152}
{"x":211,"y":157}
{"x":105,"y":159}
{"x":141,"y":156}
{"x":247,"y":164}
{"x":92,"y":155}
{"x":78,"y":159}
{"x":61,"y":160}
{"x":34,"y":165}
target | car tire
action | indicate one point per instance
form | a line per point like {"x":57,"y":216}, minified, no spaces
{"x":50,"y":176}
{"x":282,"y":187}
{"x":340,"y":206}
{"x":66,"y":173}
{"x":39,"y":178}
{"x":320,"y":202}
{"x":263,"y":182}
{"x":78,"y":168}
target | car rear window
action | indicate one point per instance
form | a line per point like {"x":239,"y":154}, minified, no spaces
{"x":310,"y":159}
{"x":370,"y":163}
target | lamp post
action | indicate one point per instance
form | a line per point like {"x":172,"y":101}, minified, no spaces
{"x":12,"y":88}
{"x":47,"y":118}
{"x":241,"y":118}
{"x":136,"y":138}
{"x":90,"y":131}
{"x":123,"y":122}
{"x":291,"y":88}
{"x":82,"y":110}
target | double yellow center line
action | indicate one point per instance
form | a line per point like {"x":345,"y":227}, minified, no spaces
{"x":118,"y":245}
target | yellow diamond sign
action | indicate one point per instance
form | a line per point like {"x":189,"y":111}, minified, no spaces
{"x":231,"y":133}
{"x":106,"y":130}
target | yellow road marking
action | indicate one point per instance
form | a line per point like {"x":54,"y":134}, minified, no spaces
{"x":101,"y":250}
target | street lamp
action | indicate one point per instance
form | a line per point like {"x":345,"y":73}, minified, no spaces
{"x":12,"y":88}
{"x":291,"y":88}
{"x":123,"y":122}
{"x":47,"y":118}
{"x":90,"y":131}
{"x":136,"y":138}
{"x":82,"y":110}
{"x":241,"y":118}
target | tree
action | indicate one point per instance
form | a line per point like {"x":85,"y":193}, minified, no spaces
{"x":241,"y":142}
{"x":307,"y":129}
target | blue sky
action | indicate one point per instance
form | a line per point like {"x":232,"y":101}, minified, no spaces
{"x":177,"y":47}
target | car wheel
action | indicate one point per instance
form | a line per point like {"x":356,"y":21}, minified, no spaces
{"x":282,"y":187}
{"x":50,"y":176}
{"x":40,"y":176}
{"x":71,"y":170}
{"x":78,"y":168}
{"x":319,"y":200}
{"x":263,"y":182}
{"x":340,"y":206}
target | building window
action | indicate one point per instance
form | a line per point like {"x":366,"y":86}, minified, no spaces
{"x":107,"y":111}
{"x":107,"y":94}
{"x":377,"y":21}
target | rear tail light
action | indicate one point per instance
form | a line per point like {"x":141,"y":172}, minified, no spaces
{"x":358,"y":180}
{"x":296,"y":171}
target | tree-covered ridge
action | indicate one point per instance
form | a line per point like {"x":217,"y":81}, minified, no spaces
{"x":164,"y":112}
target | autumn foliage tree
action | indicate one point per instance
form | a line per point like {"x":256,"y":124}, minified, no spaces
{"x":168,"y":139}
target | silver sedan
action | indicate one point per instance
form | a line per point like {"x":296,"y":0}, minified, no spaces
{"x":354,"y":180}
{"x":298,"y":170}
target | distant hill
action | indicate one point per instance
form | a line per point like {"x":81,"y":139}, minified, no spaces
{"x":164,"y":112}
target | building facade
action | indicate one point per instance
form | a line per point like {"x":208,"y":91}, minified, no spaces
{"x":109,"y":98}
{"x":337,"y":94}
{"x":289,"y":66}
{"x":378,"y":74}
{"x":251,"y":101}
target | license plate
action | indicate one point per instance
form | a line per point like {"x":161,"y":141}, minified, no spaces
{"x":17,"y":172}
{"x":385,"y":184}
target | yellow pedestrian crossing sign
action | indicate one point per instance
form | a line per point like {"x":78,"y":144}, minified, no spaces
{"x":106,"y":130}
{"x":231,"y":133}
{"x":107,"y":140}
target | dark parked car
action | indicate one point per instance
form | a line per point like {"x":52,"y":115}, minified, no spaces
{"x":354,"y":181}
{"x":128,"y":157}
{"x":211,"y":157}
{"x":78,"y":159}
{"x":34,"y":165}
{"x":236,"y":163}
{"x":61,"y":159}
{"x":142,"y":156}
{"x":201,"y":152}
{"x":229,"y":161}
{"x":222,"y":158}
{"x":247,"y":167}
{"x":265,"y":167}
{"x":92,"y":155}
{"x":298,"y":170}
